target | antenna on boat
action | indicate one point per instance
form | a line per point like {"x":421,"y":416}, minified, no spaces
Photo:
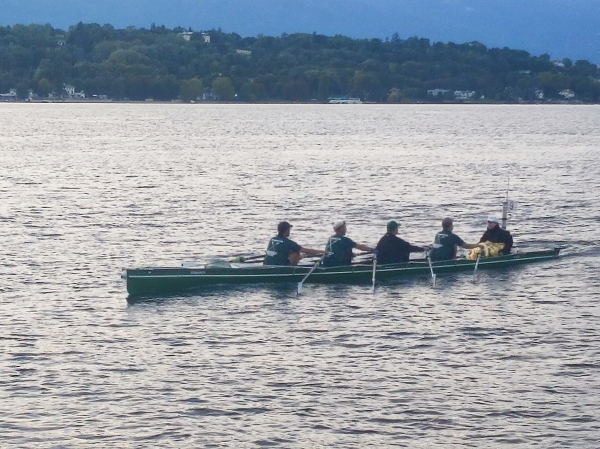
{"x":507,"y":205}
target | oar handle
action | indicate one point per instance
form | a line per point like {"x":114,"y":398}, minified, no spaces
{"x":364,"y":253}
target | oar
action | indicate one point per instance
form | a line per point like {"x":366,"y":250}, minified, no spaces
{"x":364,"y":253}
{"x":259,"y":257}
{"x":477,"y":263}
{"x":308,"y":274}
{"x":374,"y":270}
{"x":363,"y":258}
{"x":247,"y":258}
{"x":431,"y":269}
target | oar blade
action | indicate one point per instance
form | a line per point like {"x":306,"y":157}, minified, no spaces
{"x":476,"y":266}
{"x":433,"y":275}
{"x":299,"y":288}
{"x":475,"y":274}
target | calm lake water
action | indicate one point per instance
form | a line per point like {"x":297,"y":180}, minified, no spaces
{"x":510,"y":359}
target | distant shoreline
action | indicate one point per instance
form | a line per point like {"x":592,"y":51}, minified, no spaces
{"x":335,"y":106}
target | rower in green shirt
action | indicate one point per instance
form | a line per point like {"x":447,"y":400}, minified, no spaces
{"x":447,"y":242}
{"x":283,"y":251}
{"x":340,"y":247}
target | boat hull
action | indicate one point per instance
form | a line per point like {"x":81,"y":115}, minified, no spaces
{"x":150,"y":281}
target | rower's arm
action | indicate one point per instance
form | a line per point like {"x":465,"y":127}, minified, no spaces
{"x":365,"y":248}
{"x":472,"y":246}
{"x":313,"y":252}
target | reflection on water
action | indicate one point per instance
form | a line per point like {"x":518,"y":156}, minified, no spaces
{"x":502,"y":359}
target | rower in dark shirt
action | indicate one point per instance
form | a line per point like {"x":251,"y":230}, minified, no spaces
{"x":392,"y":249}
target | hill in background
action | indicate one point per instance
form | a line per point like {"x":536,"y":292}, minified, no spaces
{"x":90,"y":60}
{"x":560,"y":28}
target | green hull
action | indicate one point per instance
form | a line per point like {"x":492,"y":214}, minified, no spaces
{"x":149,"y":281}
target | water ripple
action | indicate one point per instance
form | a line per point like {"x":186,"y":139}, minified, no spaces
{"x":507,"y":358}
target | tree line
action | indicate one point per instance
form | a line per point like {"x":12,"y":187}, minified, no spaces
{"x":169,"y":64}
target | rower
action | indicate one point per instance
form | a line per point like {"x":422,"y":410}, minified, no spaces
{"x":392,"y":249}
{"x":283,"y":251}
{"x":340,"y":247}
{"x":446,"y":242}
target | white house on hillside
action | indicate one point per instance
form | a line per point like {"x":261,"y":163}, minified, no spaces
{"x":463,"y":94}
{"x":187,"y":35}
{"x":567,"y":93}
{"x":10,"y":96}
{"x":70,"y":91}
{"x":436,"y":92}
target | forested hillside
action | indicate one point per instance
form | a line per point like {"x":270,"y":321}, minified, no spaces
{"x":168,"y":64}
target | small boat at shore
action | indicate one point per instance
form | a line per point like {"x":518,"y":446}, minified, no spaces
{"x":345,"y":100}
{"x":152,"y":281}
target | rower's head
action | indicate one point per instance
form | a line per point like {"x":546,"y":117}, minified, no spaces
{"x":392,"y":227}
{"x":340,"y":228}
{"x":447,"y":224}
{"x":492,"y":222}
{"x":283,"y":229}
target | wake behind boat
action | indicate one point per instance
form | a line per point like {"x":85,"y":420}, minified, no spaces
{"x":151,"y":280}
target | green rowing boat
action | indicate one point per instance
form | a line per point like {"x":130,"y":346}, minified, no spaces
{"x":151,"y":281}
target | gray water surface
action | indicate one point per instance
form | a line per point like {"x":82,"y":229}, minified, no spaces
{"x":509,"y":359}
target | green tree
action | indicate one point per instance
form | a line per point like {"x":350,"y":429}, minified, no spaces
{"x":395,"y":96}
{"x":414,"y":93}
{"x":137,"y":63}
{"x":584,"y":68}
{"x":22,"y":91}
{"x":86,"y":36}
{"x":191,"y":89}
{"x":295,"y":90}
{"x":222,"y":88}
{"x":44,"y":87}
{"x":551,"y":83}
{"x":165,"y":87}
{"x":324,"y":88}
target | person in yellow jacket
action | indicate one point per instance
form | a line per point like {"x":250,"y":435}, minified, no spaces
{"x":495,"y":240}
{"x":495,"y":234}
{"x":487,"y":249}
